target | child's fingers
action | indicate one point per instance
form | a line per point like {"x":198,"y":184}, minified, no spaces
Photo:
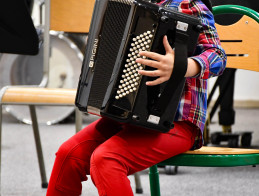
{"x":152,"y":55}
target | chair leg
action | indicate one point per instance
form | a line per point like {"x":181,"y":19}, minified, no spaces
{"x":79,"y":119}
{"x":139,"y":188}
{"x":154,"y":181}
{"x":0,"y":145}
{"x":44,"y":182}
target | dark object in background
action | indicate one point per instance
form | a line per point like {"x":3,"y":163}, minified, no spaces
{"x":227,"y":113}
{"x":17,"y":32}
{"x":226,"y":83}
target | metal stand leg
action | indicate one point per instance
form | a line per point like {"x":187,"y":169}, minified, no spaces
{"x":139,"y":188}
{"x":227,"y":112}
{"x":154,"y":181}
{"x":35,"y":127}
{"x":224,"y":89}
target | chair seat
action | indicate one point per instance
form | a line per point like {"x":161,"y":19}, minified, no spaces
{"x":222,"y":151}
{"x":215,"y":157}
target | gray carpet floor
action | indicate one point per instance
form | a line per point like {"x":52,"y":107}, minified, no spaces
{"x":21,"y":176}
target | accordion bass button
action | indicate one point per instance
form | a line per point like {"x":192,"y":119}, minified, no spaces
{"x":135,"y":117}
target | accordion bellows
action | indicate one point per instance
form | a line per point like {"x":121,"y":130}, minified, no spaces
{"x":109,"y":83}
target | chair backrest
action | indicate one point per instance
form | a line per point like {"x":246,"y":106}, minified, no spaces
{"x":71,"y":15}
{"x":241,"y":39}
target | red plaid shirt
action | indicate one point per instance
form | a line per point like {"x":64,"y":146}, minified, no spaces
{"x":210,"y":56}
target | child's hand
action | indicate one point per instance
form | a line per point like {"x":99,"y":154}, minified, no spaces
{"x":163,"y":63}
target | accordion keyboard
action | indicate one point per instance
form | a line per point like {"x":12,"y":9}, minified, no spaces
{"x":130,"y":78}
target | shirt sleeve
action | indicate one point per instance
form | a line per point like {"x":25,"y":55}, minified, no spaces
{"x":209,"y":53}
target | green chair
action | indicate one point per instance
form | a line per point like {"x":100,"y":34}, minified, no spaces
{"x":211,"y":156}
{"x":205,"y":157}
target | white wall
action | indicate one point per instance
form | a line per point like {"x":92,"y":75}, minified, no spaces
{"x":246,"y":88}
{"x":247,"y":85}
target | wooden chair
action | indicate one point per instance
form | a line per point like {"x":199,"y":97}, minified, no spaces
{"x":34,"y":96}
{"x":246,"y":31}
{"x":240,"y":41}
{"x":206,"y":157}
{"x":67,"y":16}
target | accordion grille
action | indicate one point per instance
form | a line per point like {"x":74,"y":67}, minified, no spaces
{"x":113,"y":28}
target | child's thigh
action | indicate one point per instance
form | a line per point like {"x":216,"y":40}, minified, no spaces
{"x":139,"y":148}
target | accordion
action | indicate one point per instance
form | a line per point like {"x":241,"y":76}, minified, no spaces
{"x":109,"y":84}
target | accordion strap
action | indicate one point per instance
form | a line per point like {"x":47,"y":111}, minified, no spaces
{"x":177,"y":78}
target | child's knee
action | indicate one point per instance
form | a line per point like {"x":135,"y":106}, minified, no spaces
{"x":64,"y":149}
{"x":107,"y":160}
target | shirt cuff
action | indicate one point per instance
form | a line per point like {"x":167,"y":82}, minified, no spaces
{"x":204,"y":71}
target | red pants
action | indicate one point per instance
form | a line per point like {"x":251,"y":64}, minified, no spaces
{"x":109,"y":152}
